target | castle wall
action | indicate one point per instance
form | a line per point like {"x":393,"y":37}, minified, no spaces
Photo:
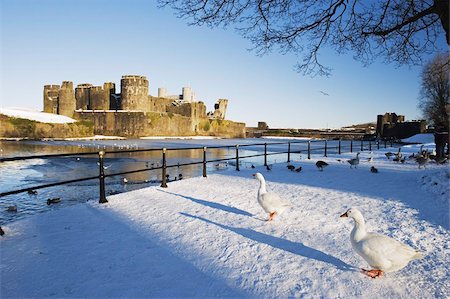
{"x":66,"y":99}
{"x":134,"y":91}
{"x":50,"y":95}
{"x":138,"y":124}
{"x":97,"y":98}
{"x":155,"y":104}
{"x":82,"y":96}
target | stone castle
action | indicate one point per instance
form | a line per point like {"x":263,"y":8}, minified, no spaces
{"x":391,"y":125}
{"x":133,"y":112}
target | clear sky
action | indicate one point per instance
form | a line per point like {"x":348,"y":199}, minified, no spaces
{"x":95,"y":41}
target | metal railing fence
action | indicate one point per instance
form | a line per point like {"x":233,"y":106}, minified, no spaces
{"x":325,"y":149}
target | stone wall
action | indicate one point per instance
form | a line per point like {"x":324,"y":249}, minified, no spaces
{"x":138,"y":124}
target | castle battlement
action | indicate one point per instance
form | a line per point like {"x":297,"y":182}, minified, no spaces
{"x":133,"y":96}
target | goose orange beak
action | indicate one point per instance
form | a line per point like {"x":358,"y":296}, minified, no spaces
{"x":344,"y":215}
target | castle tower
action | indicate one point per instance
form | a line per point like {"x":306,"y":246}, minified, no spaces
{"x":82,"y":96}
{"x":97,"y":98}
{"x":134,"y":92}
{"x":66,"y":96}
{"x":109,"y":89}
{"x":187,"y":94}
{"x":220,"y":108}
{"x":162,"y":92}
{"x":51,"y":93}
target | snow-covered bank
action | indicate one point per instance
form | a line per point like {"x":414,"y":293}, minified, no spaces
{"x":205,"y":237}
{"x":36,"y":115}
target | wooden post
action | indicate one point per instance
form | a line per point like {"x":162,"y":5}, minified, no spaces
{"x":204,"y":161}
{"x":339,"y":151}
{"x":351,"y":146}
{"x":362,"y":145}
{"x":164,"y":164}
{"x":370,"y":145}
{"x":101,"y":177}
{"x":325,"y":148}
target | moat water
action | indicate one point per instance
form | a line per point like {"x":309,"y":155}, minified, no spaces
{"x":34,"y":172}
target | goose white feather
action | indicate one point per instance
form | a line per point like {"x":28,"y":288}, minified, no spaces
{"x":271,"y":202}
{"x":382,"y":253}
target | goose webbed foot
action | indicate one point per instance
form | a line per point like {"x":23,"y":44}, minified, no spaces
{"x":374,"y":273}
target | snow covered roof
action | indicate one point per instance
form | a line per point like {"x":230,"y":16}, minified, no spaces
{"x":36,"y":115}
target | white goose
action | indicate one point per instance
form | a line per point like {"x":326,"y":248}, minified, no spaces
{"x":382,"y":253}
{"x":269,"y":201}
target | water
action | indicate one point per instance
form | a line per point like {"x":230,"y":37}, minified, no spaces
{"x":29,"y":173}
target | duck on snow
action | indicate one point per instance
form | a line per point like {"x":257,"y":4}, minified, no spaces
{"x":382,"y":253}
{"x":270,"y":201}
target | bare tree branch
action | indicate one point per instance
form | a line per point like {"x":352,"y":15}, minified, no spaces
{"x":401,"y":31}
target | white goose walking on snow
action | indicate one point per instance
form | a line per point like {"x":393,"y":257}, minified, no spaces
{"x":382,"y":253}
{"x":270,"y":201}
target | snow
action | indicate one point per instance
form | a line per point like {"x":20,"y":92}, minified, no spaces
{"x":36,"y":115}
{"x":206,"y":237}
{"x":420,"y":138}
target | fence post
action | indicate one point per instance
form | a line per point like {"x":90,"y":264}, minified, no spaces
{"x":325,"y":148}
{"x":164,"y":179}
{"x":390,"y":142}
{"x":309,"y":149}
{"x":370,"y":145}
{"x":351,"y":145}
{"x":101,"y":177}
{"x":204,"y":161}
{"x":385,"y":143}
{"x":339,"y":151}
{"x":289,"y":152}
{"x":362,"y":145}
{"x":237,"y":157}
{"x":265,"y":154}
{"x":378,"y":144}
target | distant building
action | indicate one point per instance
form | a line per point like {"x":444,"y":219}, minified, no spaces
{"x":391,"y":125}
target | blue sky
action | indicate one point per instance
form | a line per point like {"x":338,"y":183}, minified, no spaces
{"x":94,"y":41}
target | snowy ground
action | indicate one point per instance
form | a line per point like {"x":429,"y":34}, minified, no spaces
{"x":206,"y":237}
{"x":36,"y":115}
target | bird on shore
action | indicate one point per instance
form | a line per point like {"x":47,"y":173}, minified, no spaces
{"x":12,"y":208}
{"x":252,"y":166}
{"x":290,"y":167}
{"x":354,"y":162}
{"x":398,"y":155}
{"x":373,"y":169}
{"x":269,"y":201}
{"x":389,"y":155}
{"x":382,"y":253}
{"x":125,"y":180}
{"x":53,"y":200}
{"x":321,"y":165}
{"x":269,"y":167}
{"x":32,"y":192}
{"x":298,"y":169}
{"x":422,"y":160}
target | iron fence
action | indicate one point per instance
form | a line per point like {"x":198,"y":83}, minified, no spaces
{"x":163,"y":168}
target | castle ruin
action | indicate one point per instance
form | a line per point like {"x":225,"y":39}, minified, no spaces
{"x":391,"y":125}
{"x":113,"y":113}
